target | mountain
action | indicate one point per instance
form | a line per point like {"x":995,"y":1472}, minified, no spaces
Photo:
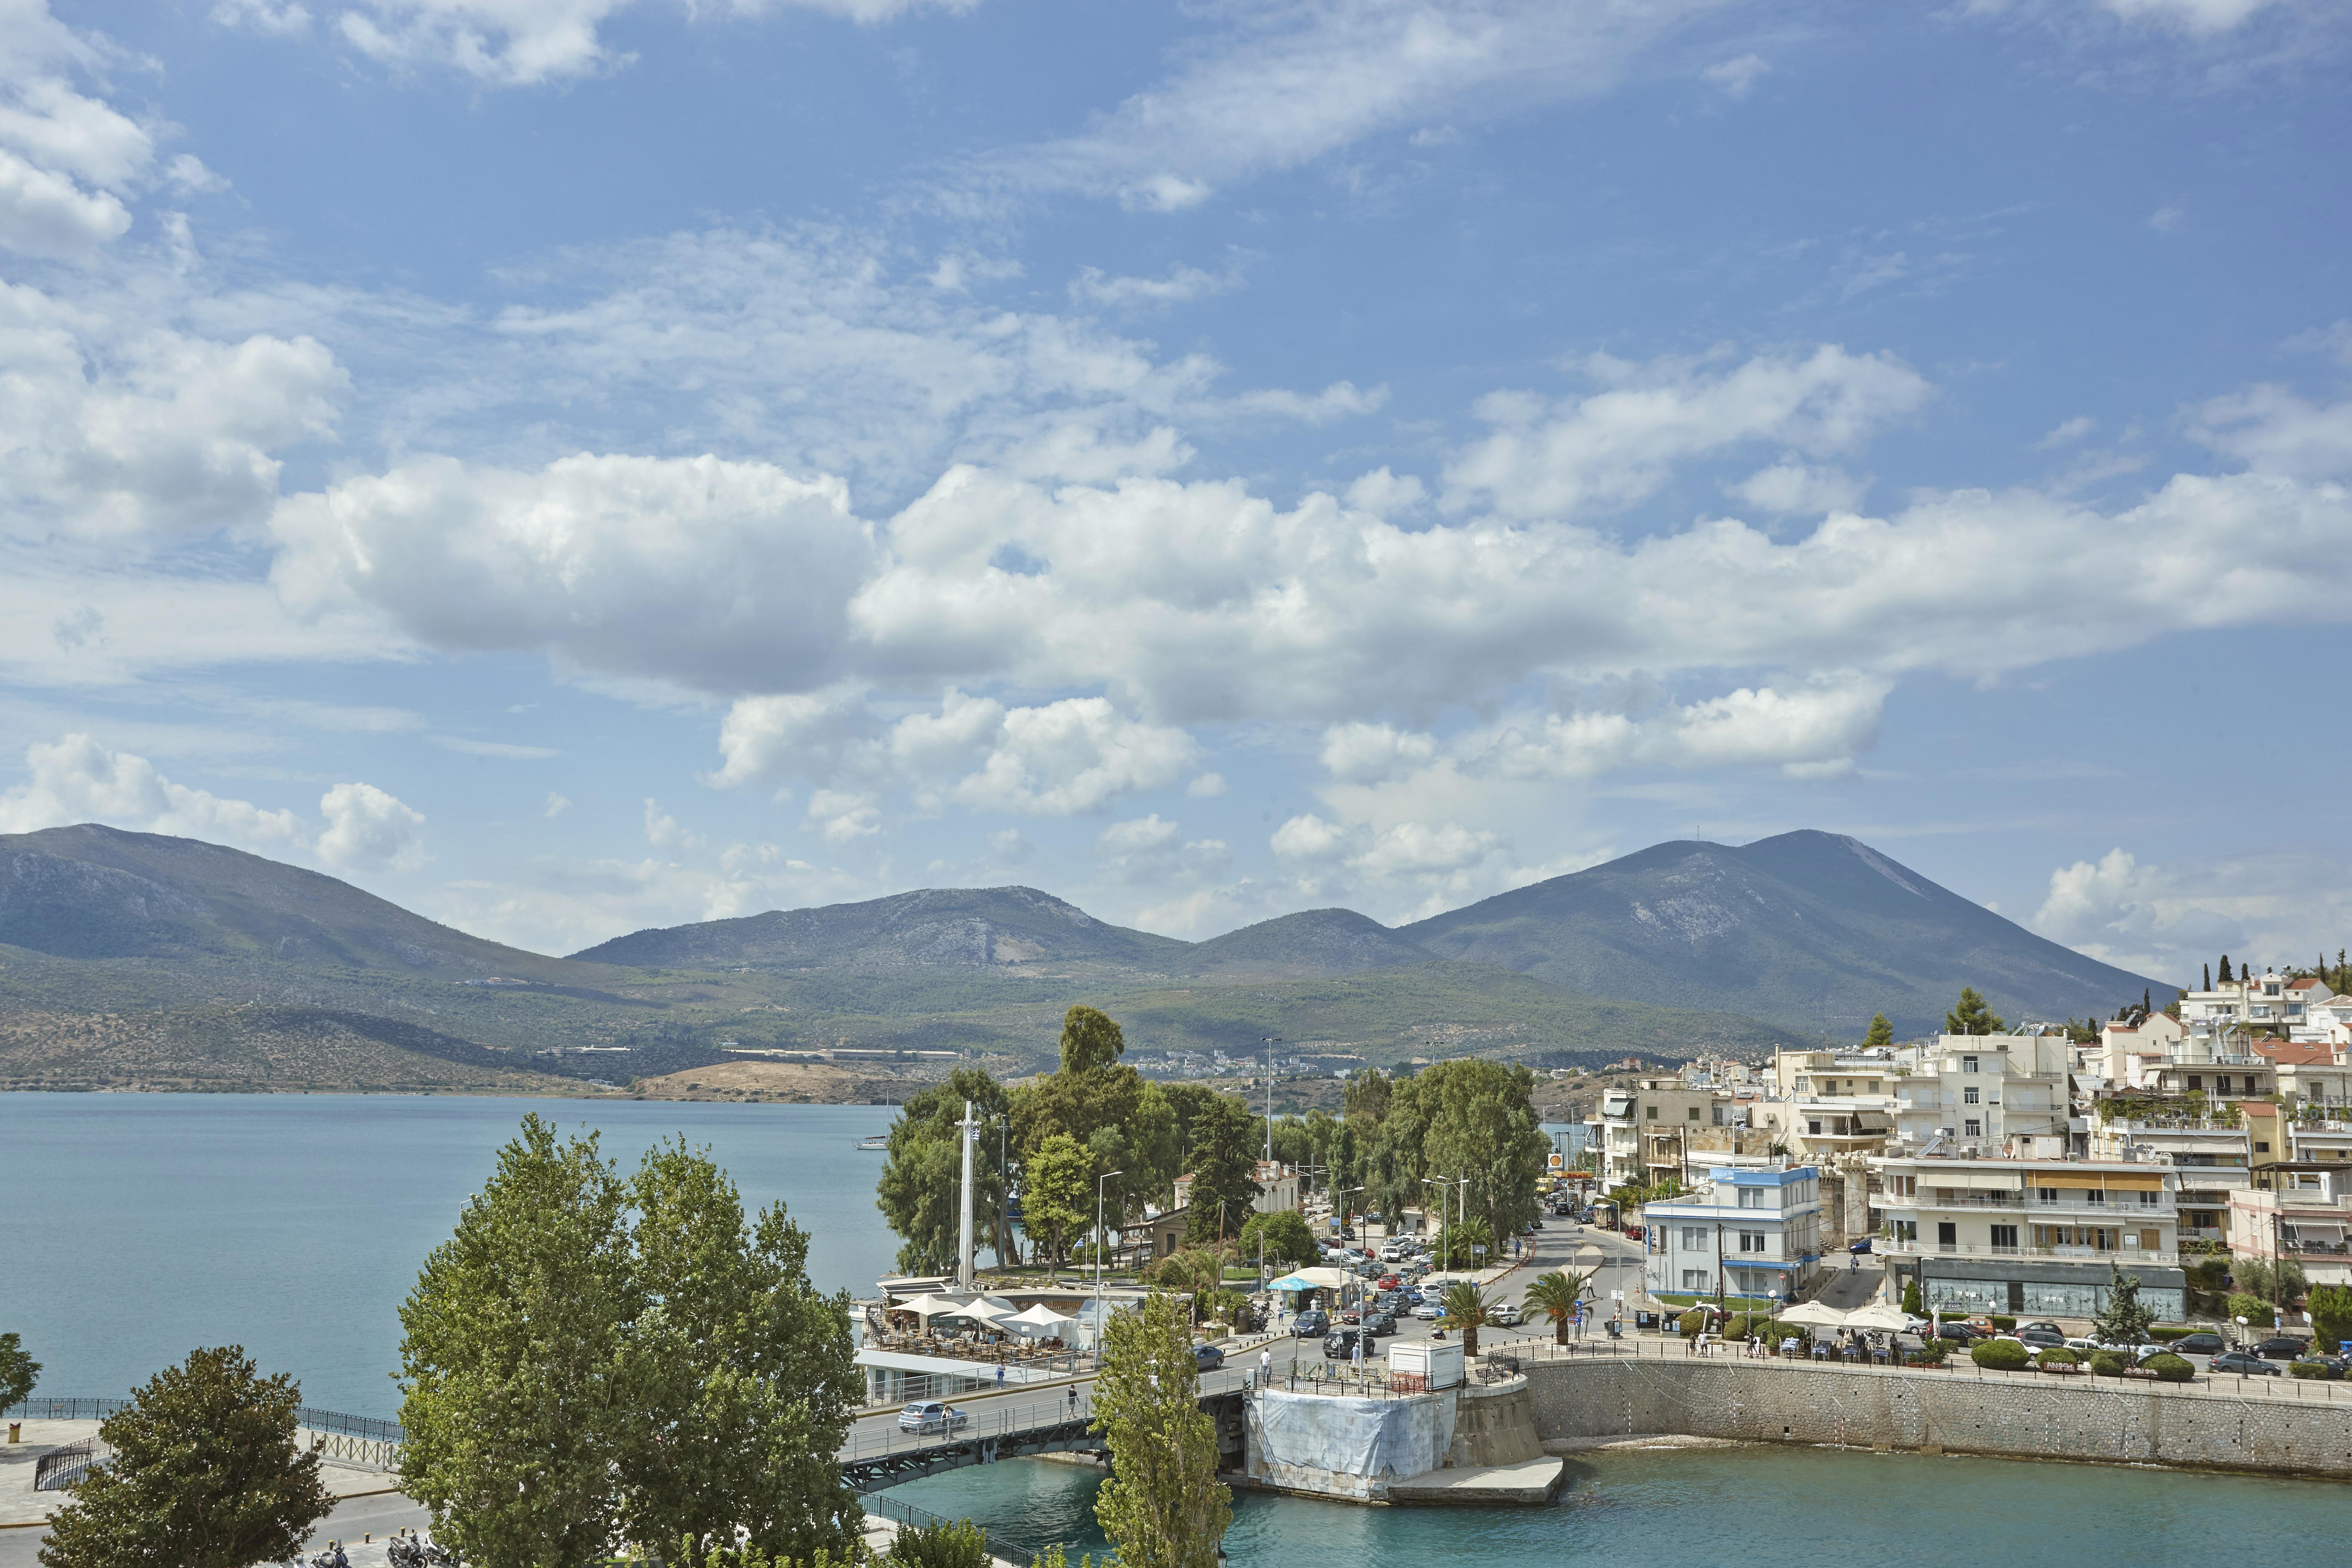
{"x":90,"y":892}
{"x":981,"y":927}
{"x":1314,"y":942}
{"x":1812,"y":929}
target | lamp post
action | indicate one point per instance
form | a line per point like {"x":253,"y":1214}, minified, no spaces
{"x":1270,"y":1041}
{"x":1098,"y":1251}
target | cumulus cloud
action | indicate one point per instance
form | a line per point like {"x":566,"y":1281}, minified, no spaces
{"x":1182,"y":284}
{"x":1149,"y":852}
{"x":2163,"y":924}
{"x":565,"y":904}
{"x":1072,"y":757}
{"x":1799,"y":488}
{"x":2206,"y":16}
{"x":1811,"y":730}
{"x":1618,"y":446}
{"x":77,"y":779}
{"x":2272,"y":430}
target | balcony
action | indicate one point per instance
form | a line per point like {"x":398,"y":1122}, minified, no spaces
{"x":2119,"y":1213}
{"x":1967,"y":1249}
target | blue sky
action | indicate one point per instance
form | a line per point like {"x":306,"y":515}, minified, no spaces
{"x":576,"y":465}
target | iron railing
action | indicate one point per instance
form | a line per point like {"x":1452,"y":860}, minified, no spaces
{"x":63,"y":1467}
{"x":907,"y":1513}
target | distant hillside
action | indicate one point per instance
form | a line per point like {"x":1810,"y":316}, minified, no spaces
{"x":968,"y":927}
{"x":1809,"y":927}
{"x":1314,"y":942}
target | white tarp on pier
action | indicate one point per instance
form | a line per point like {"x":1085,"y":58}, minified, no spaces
{"x":1370,"y":1439}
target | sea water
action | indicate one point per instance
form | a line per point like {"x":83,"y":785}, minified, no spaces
{"x":135,"y":1227}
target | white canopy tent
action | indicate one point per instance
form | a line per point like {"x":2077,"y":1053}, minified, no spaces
{"x":1880,"y":1316}
{"x":1812,"y":1315}
{"x":1040,"y":1322}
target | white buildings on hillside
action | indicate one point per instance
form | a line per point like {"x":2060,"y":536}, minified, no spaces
{"x":1750,"y":1232}
{"x":1987,"y":1093}
{"x":2298,"y":1209}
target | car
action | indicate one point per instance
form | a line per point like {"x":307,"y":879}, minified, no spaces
{"x":1534,"y":1226}
{"x":1339,"y":1344}
{"x":2283,"y":1347}
{"x":1506,"y":1316}
{"x":1859,"y":1247}
{"x":1207,"y":1358}
{"x":1429,"y":1311}
{"x":2200,"y":1343}
{"x":1309,"y":1324}
{"x":931,"y":1416}
{"x":2041,"y":1339}
{"x":1351,"y":1314}
{"x":1378,"y":1325}
{"x":2043,"y":1328}
{"x":2245,"y":1364}
{"x":1387,"y":1282}
{"x":1961,"y":1333}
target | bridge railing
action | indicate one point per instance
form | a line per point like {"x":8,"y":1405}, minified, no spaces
{"x":1007,"y":1420}
{"x":885,"y":1506}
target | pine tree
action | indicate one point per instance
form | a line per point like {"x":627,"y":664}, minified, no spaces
{"x":1972,"y":1015}
{"x":1881,"y":1032}
{"x":1163,"y":1506}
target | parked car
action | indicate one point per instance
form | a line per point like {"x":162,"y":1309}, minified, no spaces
{"x":1504,"y":1316}
{"x":2081,"y":1344}
{"x":2043,"y":1328}
{"x":1429,"y":1311}
{"x":931,"y":1416}
{"x":2283,"y":1347}
{"x":1339,"y":1344}
{"x":1387,"y":1282}
{"x":1378,"y":1325}
{"x":1351,"y":1315}
{"x":1310,"y":1324}
{"x":1208,"y":1358}
{"x":2040,"y":1338}
{"x":1960,"y":1332}
{"x":1859,"y":1247}
{"x":2200,"y":1343}
{"x":2245,"y":1364}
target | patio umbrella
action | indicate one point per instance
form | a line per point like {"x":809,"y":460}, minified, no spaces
{"x":1813,"y":1315}
{"x":1879,"y":1315}
{"x":1040,"y":1322}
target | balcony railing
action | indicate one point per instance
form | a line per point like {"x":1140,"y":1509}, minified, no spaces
{"x":2161,"y":1254}
{"x":2122,"y":1213}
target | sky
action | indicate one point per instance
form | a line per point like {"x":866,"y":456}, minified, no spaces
{"x":573,"y":465}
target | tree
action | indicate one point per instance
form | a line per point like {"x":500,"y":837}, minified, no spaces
{"x":1198,"y":1272}
{"x":1055,"y":1196}
{"x":2122,"y":1320}
{"x":1223,"y":1157}
{"x":957,"y":1544}
{"x":920,"y":1193}
{"x":1466,"y":1117}
{"x":1466,"y":1309}
{"x":2209,"y":977}
{"x":1556,"y":1295}
{"x":1459,"y":1240}
{"x":18,"y":1372}
{"x":1881,"y":1032}
{"x":1287,"y":1241}
{"x":207,"y":1472}
{"x":1911,"y":1302}
{"x":1163,"y":1506}
{"x":2226,"y":975}
{"x":1090,"y":1041}
{"x":516,"y":1379}
{"x":2331,"y":1315}
{"x":745,"y":1375}
{"x":1972,"y":1015}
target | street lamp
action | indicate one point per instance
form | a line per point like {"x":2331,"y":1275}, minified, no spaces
{"x":1447,"y":1261}
{"x":1098,"y":1251}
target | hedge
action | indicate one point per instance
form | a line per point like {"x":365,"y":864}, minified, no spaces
{"x":2005,"y":1325}
{"x":2057,"y":1355}
{"x":1930,"y":1354}
{"x":2170,"y":1368}
{"x":1692,"y":1321}
{"x":2312,"y":1369}
{"x":2165,"y":1334}
{"x":2108,"y":1363}
{"x":1998,"y":1355}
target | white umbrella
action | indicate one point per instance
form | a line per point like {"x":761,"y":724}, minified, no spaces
{"x":1813,"y":1315}
{"x":1878,"y":1315}
{"x":929,"y":1307}
{"x":1040,"y":1322}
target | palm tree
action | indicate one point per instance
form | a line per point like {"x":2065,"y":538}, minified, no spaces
{"x":1467,"y":1308}
{"x":1457,"y":1242}
{"x":1556,"y":1294}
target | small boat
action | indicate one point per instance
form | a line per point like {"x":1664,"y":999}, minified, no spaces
{"x":875,"y":1143}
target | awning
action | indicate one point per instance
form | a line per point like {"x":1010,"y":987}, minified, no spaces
{"x":2316,"y":1230}
{"x":2101,"y":1181}
{"x":1315,"y":1280}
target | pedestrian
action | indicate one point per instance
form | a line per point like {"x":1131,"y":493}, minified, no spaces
{"x":1073,"y":1399}
{"x":1264,"y":1367}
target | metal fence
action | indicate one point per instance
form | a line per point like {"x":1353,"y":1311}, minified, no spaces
{"x":372,"y":1427}
{"x":57,"y":1471}
{"x":905,"y":1513}
{"x":65,"y":1409}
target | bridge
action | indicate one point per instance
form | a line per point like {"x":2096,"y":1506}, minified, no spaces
{"x":880,"y":1455}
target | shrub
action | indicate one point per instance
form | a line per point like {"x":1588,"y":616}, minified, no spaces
{"x":2168,"y":1333}
{"x":1999,"y":1355}
{"x":2331,"y":1315}
{"x":1692,"y":1321}
{"x":961,"y":1545}
{"x":2170,"y":1368}
{"x":2108,"y":1363}
{"x":2313,"y":1369}
{"x":2057,"y":1356}
{"x":1911,"y":1297}
{"x":1931,"y":1354}
{"x":2254,"y":1308}
{"x":2004,"y":1323}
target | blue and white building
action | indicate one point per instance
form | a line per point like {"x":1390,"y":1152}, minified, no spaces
{"x":1753,"y":1232}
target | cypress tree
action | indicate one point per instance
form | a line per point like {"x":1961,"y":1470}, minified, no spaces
{"x":2226,"y":975}
{"x":2209,"y":977}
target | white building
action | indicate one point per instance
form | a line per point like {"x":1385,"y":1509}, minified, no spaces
{"x":2029,"y":1236}
{"x":1986,"y":1093}
{"x":1753,"y":1232}
{"x":1641,"y":1133}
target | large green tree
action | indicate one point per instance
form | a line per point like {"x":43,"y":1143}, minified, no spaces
{"x":207,"y":1472}
{"x":18,"y":1372}
{"x":2123,"y":1319}
{"x":1283,"y":1236}
{"x":1223,"y":1156}
{"x":920,"y":1193}
{"x":1881,"y":1032}
{"x":1467,"y":1117}
{"x":1128,"y":1125}
{"x":1057,"y":1196}
{"x":1970,"y":1016}
{"x":745,"y":1374}
{"x":1163,"y":1506}
{"x":1556,"y":1294}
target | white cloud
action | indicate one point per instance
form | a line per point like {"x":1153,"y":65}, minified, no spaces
{"x":1287,"y":82}
{"x":1808,"y":730}
{"x":1792,"y":489}
{"x":1362,"y":753}
{"x":565,"y":904}
{"x":2165,"y":219}
{"x":501,"y":748}
{"x":1618,"y":446}
{"x":663,"y":831}
{"x":1182,"y":284}
{"x":1149,"y":852}
{"x":45,"y":214}
{"x":1383,"y":492}
{"x":1206,"y":787}
{"x":2067,"y":432}
{"x":1309,"y":838}
{"x":2272,"y":430}
{"x":842,"y":816}
{"x":368,"y":829}
{"x":1072,"y":757}
{"x":77,"y":779}
{"x":2189,"y":15}
{"x":556,"y":806}
{"x":522,"y":43}
{"x":2334,"y":340}
{"x":1737,"y":78}
{"x":2141,"y":917}
{"x":274,"y":18}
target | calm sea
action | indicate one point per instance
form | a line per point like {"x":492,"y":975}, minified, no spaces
{"x":138,"y":1227}
{"x":1734,"y":1508}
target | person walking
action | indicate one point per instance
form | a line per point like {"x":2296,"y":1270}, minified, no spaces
{"x":1265,"y":1368}
{"x":1000,"y":1377}
{"x":1074,"y":1401}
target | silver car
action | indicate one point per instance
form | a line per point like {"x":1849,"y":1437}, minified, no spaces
{"x":931,"y":1416}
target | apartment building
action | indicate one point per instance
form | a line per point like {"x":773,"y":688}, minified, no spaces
{"x":1865,"y":1072}
{"x":2209,"y":1159}
{"x":1748,"y":1232}
{"x":2309,"y":1072}
{"x":2037,"y":1236}
{"x":2298,"y":1209}
{"x":1985,"y":1092}
{"x":1642,"y":1132}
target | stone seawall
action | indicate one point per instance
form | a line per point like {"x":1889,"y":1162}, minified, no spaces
{"x":1939,"y":1412}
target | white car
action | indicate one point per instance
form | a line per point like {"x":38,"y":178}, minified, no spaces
{"x":1429,"y":1311}
{"x":1504,"y":1316}
{"x":931,"y":1416}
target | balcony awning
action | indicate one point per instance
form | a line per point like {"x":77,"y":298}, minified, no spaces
{"x":2098,"y":1181}
{"x":2316,"y":1230}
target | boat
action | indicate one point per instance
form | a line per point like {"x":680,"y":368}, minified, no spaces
{"x":875,"y":1143}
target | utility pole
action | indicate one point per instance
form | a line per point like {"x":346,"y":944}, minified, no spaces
{"x":964,"y":1241}
{"x":1099,"y":1252}
{"x":1270,"y":1041}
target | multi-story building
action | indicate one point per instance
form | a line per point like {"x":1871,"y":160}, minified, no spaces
{"x":2268,"y":1001}
{"x":1868,"y":1071}
{"x":2035,"y":1236}
{"x":1824,"y":1126}
{"x":1748,"y":1232}
{"x":2299,"y":1209}
{"x":2209,"y":1161}
{"x":1985,"y":1092}
{"x":2310,"y":1072}
{"x":1642,"y":1132}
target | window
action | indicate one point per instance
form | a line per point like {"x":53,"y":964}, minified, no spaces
{"x":1874,"y":1086}
{"x":1968,"y":1096}
{"x":1752,"y":1198}
{"x":2149,"y":1199}
{"x":1751,"y":1241}
{"x":2197,"y":1081}
{"x":1695,"y":1239}
{"x":1906,"y":1230}
{"x":2005,"y":1238}
{"x":1903,"y":1186}
{"x":1653,"y":1111}
{"x":2261,"y":1147}
{"x":1814,"y":1125}
{"x":1972,"y":1128}
{"x":2046,"y":1194}
{"x":1968,"y":1064}
{"x":1694,"y":1113}
{"x":2093,"y":1195}
{"x":1947,"y":1234}
{"x":1694,"y":1281}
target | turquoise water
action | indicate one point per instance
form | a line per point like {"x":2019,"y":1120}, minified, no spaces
{"x":1738,"y":1508}
{"x":138,"y":1227}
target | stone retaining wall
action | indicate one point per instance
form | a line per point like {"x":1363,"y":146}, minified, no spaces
{"x":2106,"y":1422}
